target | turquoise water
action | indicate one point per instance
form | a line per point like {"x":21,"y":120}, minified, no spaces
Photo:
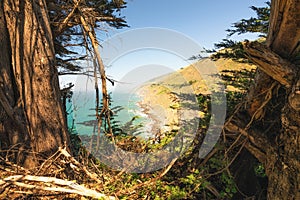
{"x":82,"y":114}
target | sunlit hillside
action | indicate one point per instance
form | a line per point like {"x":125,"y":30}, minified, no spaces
{"x":190,"y":79}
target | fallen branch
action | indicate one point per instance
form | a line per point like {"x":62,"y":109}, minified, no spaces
{"x":77,"y":165}
{"x":74,"y":188}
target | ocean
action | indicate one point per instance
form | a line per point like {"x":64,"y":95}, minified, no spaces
{"x":82,"y":116}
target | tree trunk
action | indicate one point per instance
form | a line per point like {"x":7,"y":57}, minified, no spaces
{"x":283,"y":166}
{"x":270,"y":116}
{"x":32,"y":122}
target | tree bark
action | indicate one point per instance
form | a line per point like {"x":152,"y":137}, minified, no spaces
{"x":283,"y":165}
{"x":32,"y":121}
{"x":270,"y":115}
{"x":272,"y":64}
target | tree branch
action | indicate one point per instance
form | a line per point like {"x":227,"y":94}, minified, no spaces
{"x":258,"y":143}
{"x":272,"y":64}
{"x":105,"y":107}
{"x":65,"y":22}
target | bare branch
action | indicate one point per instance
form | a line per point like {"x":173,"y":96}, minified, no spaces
{"x":258,"y":141}
{"x":105,"y":109}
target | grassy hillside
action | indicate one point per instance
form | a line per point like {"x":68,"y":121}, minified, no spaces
{"x":234,"y":74}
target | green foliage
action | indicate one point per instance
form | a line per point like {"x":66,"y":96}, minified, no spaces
{"x":204,"y":102}
{"x":175,"y":105}
{"x":241,"y":81}
{"x":233,"y":98}
{"x":191,"y":82}
{"x":70,"y":41}
{"x":221,"y":178}
{"x":230,"y":50}
{"x":229,"y":186}
{"x":260,"y":170}
{"x":234,"y":49}
{"x":116,"y":126}
{"x":174,"y":192}
{"x":259,"y":24}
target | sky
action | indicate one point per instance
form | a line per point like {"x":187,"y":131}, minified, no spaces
{"x":205,"y":21}
{"x":179,"y":29}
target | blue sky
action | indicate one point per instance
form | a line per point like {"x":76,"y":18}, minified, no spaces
{"x":205,"y":21}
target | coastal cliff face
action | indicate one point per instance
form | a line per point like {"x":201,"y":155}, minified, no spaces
{"x":171,"y":100}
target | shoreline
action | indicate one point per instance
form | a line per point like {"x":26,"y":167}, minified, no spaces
{"x":156,"y":105}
